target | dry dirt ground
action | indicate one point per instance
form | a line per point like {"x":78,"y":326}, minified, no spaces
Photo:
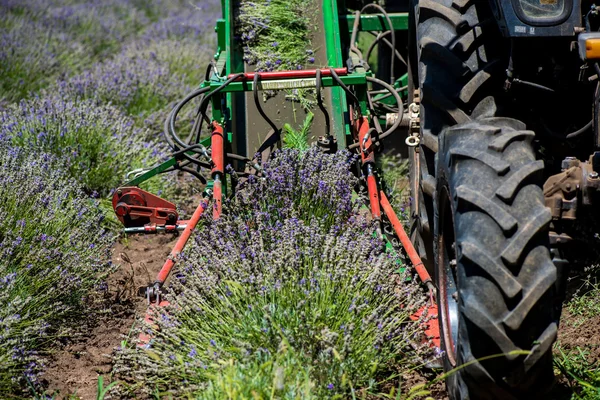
{"x":74,"y":370}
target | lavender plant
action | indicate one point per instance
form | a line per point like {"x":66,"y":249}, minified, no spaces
{"x":281,"y":301}
{"x":54,"y":255}
{"x":310,"y":184}
{"x":43,"y":41}
{"x":97,"y":144}
{"x":134,"y":81}
{"x":32,"y":56}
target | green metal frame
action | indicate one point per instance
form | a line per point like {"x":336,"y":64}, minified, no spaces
{"x":375,"y":22}
{"x":229,"y":61}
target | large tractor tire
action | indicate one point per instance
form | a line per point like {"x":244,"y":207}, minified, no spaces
{"x":478,"y":215}
{"x":493,"y":269}
{"x":456,"y":65}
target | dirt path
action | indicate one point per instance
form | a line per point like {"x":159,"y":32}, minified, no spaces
{"x":74,"y":370}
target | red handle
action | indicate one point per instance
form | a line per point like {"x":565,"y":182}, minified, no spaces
{"x":408,"y":246}
{"x":301,"y":73}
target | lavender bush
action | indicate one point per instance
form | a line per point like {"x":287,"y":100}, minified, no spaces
{"x":281,"y":302}
{"x":43,"y":41}
{"x":308,"y":184}
{"x":97,"y":144}
{"x":54,"y":253}
{"x":135,"y":81}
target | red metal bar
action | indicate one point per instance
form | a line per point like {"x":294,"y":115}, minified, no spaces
{"x":296,"y":74}
{"x":373,"y":197}
{"x":218,"y":198}
{"x":181,"y":242}
{"x":218,"y":158}
{"x":406,"y":243}
{"x":217,"y":146}
{"x":361,"y":128}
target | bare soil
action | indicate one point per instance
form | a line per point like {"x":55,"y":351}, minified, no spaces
{"x":75,"y":368}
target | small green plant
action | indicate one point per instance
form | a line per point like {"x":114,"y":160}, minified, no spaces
{"x":298,"y":139}
{"x":103,"y":390}
{"x":582,"y":374}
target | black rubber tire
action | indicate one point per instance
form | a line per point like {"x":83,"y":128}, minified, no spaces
{"x":489,"y":202}
{"x":458,"y":65}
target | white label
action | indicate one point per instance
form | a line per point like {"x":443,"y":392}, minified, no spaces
{"x":520,"y":29}
{"x":532,"y":30}
{"x":288,"y":84}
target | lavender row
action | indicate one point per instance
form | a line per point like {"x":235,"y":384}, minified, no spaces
{"x":299,"y":300}
{"x":54,"y":255}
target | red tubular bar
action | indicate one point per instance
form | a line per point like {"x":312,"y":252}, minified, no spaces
{"x":297,"y":74}
{"x":217,"y":147}
{"x":373,"y":197}
{"x":181,"y":242}
{"x":218,"y":198}
{"x":361,"y":126}
{"x":408,"y":246}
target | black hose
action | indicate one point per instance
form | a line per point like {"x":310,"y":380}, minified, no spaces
{"x":400,"y":110}
{"x":343,"y":86}
{"x":398,"y":102}
{"x":392,"y":30}
{"x":259,"y":107}
{"x":204,"y":104}
{"x":381,"y":37}
{"x":194,"y":173}
{"x":320,"y":103}
{"x":353,"y":47}
{"x":170,"y":132}
{"x":378,"y":128}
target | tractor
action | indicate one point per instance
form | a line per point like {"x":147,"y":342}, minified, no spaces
{"x":502,"y":181}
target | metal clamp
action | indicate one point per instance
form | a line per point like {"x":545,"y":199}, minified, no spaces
{"x":412,"y":141}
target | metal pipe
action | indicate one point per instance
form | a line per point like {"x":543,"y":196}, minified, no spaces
{"x":406,"y":243}
{"x":181,"y":242}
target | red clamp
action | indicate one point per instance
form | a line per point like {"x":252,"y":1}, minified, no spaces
{"x":136,"y":207}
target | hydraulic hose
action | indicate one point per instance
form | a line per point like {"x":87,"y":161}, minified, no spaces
{"x":392,"y":30}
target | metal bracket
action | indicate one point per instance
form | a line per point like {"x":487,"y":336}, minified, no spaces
{"x":414,"y":123}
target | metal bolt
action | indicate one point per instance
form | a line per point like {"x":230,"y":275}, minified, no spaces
{"x":414,"y":108}
{"x":593,"y":175}
{"x":119,"y":192}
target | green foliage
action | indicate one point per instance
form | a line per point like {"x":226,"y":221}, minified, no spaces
{"x":583,"y":375}
{"x":276,"y":33}
{"x":102,"y":390}
{"x":98,"y":144}
{"x":298,"y":139}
